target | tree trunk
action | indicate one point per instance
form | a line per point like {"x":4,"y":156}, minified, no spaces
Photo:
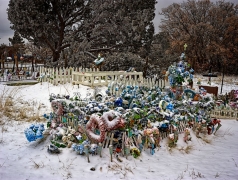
{"x":146,"y":66}
{"x":65,"y":60}
{"x":56,"y":56}
{"x":17,"y":64}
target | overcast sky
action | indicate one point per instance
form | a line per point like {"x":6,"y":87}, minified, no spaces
{"x":6,"y":32}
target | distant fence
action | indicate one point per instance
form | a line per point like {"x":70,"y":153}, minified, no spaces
{"x":25,"y":72}
{"x":225,"y":114}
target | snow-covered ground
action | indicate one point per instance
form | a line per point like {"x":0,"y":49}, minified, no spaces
{"x":214,"y":157}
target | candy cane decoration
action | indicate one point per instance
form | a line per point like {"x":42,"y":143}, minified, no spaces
{"x":93,"y":123}
{"x":111,"y":121}
{"x":108,"y":122}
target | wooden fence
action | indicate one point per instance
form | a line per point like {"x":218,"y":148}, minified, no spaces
{"x":94,"y":77}
{"x":56,"y":76}
{"x":101,"y":78}
{"x":225,"y":114}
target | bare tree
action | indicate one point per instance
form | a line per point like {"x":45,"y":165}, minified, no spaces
{"x":204,"y":26}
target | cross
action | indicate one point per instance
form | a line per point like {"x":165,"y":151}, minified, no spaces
{"x":185,"y":46}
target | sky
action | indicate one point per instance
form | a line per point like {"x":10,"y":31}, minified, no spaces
{"x":6,"y":32}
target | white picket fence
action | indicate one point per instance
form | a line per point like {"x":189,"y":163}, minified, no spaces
{"x":56,"y":76}
{"x":225,"y":114}
{"x":101,"y":78}
{"x":94,"y":77}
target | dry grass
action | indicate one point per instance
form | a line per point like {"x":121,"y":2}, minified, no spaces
{"x":13,"y":107}
{"x":120,"y":169}
{"x":4,"y":129}
{"x":180,"y":176}
{"x":7,"y":101}
{"x":195,"y":175}
{"x":37,"y":165}
{"x":23,"y":112}
{"x":186,"y":149}
{"x":208,"y":141}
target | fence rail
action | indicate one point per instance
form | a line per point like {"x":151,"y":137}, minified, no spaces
{"x":225,"y":114}
{"x":55,"y":76}
{"x":100,"y":78}
{"x":94,"y":77}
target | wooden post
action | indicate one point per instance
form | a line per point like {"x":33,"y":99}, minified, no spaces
{"x":111,"y":151}
{"x":100,"y":149}
{"x":86,"y":147}
{"x":127,"y":148}
{"x":16,"y":61}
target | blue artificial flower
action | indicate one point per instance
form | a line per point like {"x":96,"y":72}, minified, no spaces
{"x":39,"y":134}
{"x":186,"y":73}
{"x":35,"y":127}
{"x":182,"y":56}
{"x":170,"y":107}
{"x":118,"y":102}
{"x":41,"y":127}
{"x":30,"y":134}
{"x":182,"y":69}
{"x":32,"y":126}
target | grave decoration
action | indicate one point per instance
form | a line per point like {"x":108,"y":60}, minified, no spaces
{"x":99,"y":60}
{"x":180,"y":72}
{"x":139,"y":118}
{"x":133,"y":121}
{"x":34,"y":132}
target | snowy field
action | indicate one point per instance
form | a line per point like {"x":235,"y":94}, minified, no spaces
{"x":213,"y":157}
